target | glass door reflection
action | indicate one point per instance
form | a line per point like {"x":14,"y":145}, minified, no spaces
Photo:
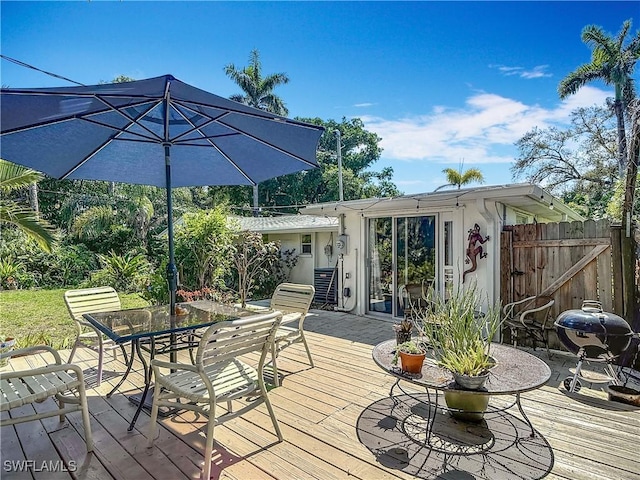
{"x":415,"y":259}
{"x":380,"y":245}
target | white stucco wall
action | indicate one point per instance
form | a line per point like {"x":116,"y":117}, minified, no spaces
{"x":523,"y":203}
{"x":355,"y":262}
{"x":303,"y":271}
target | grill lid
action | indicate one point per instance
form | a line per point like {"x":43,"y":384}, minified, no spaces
{"x":591,"y":319}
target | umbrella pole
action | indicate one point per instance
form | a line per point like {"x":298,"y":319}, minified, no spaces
{"x":172,"y":271}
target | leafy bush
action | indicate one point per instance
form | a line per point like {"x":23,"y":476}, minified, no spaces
{"x":260,"y":266}
{"x":157,"y":288}
{"x":66,"y":265}
{"x":126,"y":273}
{"x":9,"y":274}
{"x":274,"y":273}
{"x":201,"y":248}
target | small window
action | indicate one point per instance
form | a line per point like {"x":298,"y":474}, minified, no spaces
{"x":306,"y":244}
{"x":448,"y":244}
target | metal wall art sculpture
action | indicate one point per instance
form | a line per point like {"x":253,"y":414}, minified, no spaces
{"x":474,"y":250}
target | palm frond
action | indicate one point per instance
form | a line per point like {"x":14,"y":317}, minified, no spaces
{"x":14,"y":176}
{"x":27,"y":221}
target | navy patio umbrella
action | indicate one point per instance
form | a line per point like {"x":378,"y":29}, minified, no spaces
{"x":135,"y":132}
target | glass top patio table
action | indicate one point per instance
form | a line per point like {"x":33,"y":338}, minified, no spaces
{"x":515,"y":372}
{"x":154,"y":330}
{"x":154,"y":321}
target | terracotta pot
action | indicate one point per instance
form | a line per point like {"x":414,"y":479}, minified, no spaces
{"x":411,"y":362}
{"x":622,"y":394}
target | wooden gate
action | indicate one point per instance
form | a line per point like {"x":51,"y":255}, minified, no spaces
{"x":569,"y":261}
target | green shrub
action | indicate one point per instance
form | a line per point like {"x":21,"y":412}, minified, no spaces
{"x":201,"y":248}
{"x":157,"y":288}
{"x":10,"y":272}
{"x":66,"y":265}
{"x":126,"y":273}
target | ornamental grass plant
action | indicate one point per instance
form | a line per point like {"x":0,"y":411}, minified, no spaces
{"x":459,"y":334}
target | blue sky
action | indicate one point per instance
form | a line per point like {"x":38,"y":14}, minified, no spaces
{"x":439,"y":82}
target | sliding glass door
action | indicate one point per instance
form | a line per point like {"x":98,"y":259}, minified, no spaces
{"x":403,"y":261}
{"x":380,"y":257}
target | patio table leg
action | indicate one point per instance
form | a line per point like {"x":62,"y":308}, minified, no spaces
{"x":147,"y":381}
{"x":524,"y":415}
{"x":126,"y":372}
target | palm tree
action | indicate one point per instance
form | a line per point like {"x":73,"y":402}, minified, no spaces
{"x":613,"y":63}
{"x":258,"y":93}
{"x":258,"y":90}
{"x":459,"y":178}
{"x":14,"y":177}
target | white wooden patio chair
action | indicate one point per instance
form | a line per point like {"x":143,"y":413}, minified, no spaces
{"x":63,"y":381}
{"x":293,"y":300}
{"x":90,"y":300}
{"x":218,"y":375}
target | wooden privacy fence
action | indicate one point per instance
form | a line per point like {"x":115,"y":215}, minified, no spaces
{"x":569,"y":261}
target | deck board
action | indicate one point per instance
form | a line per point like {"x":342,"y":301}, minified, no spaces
{"x":321,"y":411}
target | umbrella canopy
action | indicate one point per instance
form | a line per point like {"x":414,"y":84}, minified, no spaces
{"x":159,"y":131}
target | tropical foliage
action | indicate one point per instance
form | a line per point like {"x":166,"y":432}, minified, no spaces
{"x":459,"y":178}
{"x":613,"y":60}
{"x":259,"y":266}
{"x":126,"y":273}
{"x":459,"y":334}
{"x":202,"y":243}
{"x":257,"y":89}
{"x":13,"y":179}
{"x":578,"y":163}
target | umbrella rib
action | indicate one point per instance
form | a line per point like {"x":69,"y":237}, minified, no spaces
{"x":111,"y":138}
{"x":197,"y":128}
{"x":214,"y":146}
{"x":85,"y":160}
{"x":239,"y":131}
{"x":270,"y":145}
{"x":262,"y":114}
{"x":67,"y":118}
{"x":122,"y":130}
{"x":134,"y":121}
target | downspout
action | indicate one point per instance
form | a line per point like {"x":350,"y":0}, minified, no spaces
{"x":481,"y":205}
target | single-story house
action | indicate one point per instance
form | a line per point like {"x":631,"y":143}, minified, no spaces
{"x":380,"y":246}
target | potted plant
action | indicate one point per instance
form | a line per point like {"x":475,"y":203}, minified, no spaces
{"x":459,"y":336}
{"x":411,"y":355}
{"x":6,"y":346}
{"x":403,"y":331}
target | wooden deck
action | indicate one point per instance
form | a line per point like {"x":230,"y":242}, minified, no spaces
{"x":337,"y":423}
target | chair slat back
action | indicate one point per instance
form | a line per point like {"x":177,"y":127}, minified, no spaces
{"x":86,"y":300}
{"x":292,"y":298}
{"x":225,"y":341}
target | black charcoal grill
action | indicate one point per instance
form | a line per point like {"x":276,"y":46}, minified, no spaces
{"x":593,"y":335}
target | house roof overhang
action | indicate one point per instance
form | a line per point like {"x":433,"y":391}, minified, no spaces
{"x":525,"y":197}
{"x":287,"y":224}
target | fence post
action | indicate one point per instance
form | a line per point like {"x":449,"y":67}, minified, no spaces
{"x":616,"y":265}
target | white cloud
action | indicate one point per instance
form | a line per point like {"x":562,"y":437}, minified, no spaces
{"x":539,"y":71}
{"x":366,"y":104}
{"x":480,"y":133}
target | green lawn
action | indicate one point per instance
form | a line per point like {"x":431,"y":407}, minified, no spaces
{"x":34,"y":317}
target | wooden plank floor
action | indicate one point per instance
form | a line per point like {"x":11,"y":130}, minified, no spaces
{"x":338,"y":422}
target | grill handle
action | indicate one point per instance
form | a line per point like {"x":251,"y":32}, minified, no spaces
{"x":591,"y":306}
